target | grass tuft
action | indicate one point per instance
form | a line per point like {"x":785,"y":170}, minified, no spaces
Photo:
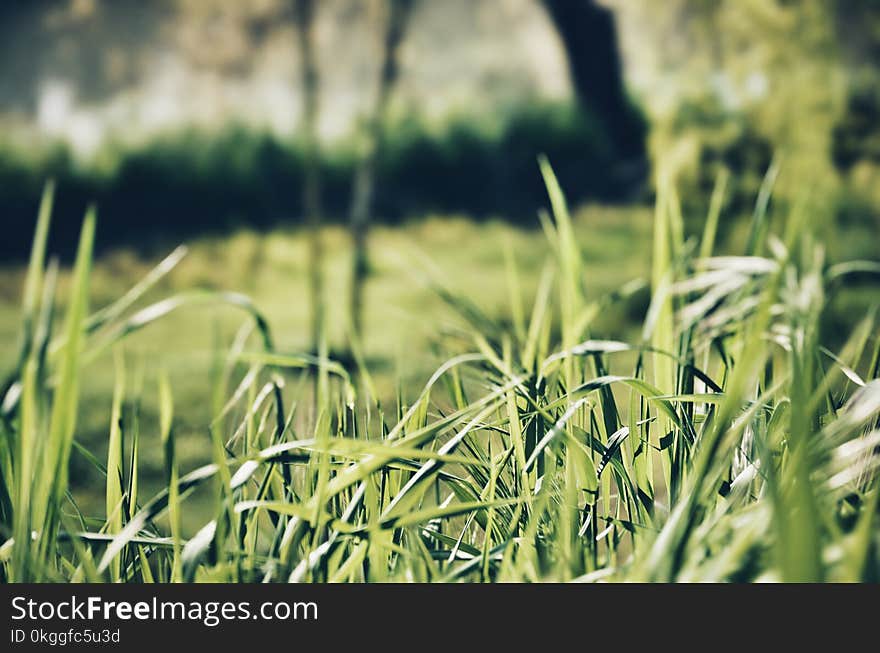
{"x":728,"y":443}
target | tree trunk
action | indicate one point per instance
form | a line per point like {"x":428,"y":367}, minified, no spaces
{"x":305,"y":11}
{"x":589,"y":36}
{"x":397,"y":12}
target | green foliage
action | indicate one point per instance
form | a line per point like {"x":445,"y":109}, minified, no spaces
{"x":214,"y":181}
{"x":716,"y":141}
{"x":726,"y":444}
{"x":856,"y":135}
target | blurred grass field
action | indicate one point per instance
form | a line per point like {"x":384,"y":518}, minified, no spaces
{"x":404,"y":313}
{"x":409,"y":329}
{"x":739,"y":448}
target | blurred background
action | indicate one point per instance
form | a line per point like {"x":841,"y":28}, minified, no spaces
{"x":335,"y":159}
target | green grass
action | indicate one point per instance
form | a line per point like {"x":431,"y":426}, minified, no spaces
{"x":718,"y":441}
{"x":408,"y":325}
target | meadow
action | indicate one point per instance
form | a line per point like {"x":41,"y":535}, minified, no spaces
{"x":606,"y":397}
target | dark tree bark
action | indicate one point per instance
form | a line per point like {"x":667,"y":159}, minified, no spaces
{"x":589,"y":35}
{"x":305,"y":12}
{"x":397,"y":13}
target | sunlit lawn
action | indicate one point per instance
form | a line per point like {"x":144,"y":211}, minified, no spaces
{"x":403,"y":313}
